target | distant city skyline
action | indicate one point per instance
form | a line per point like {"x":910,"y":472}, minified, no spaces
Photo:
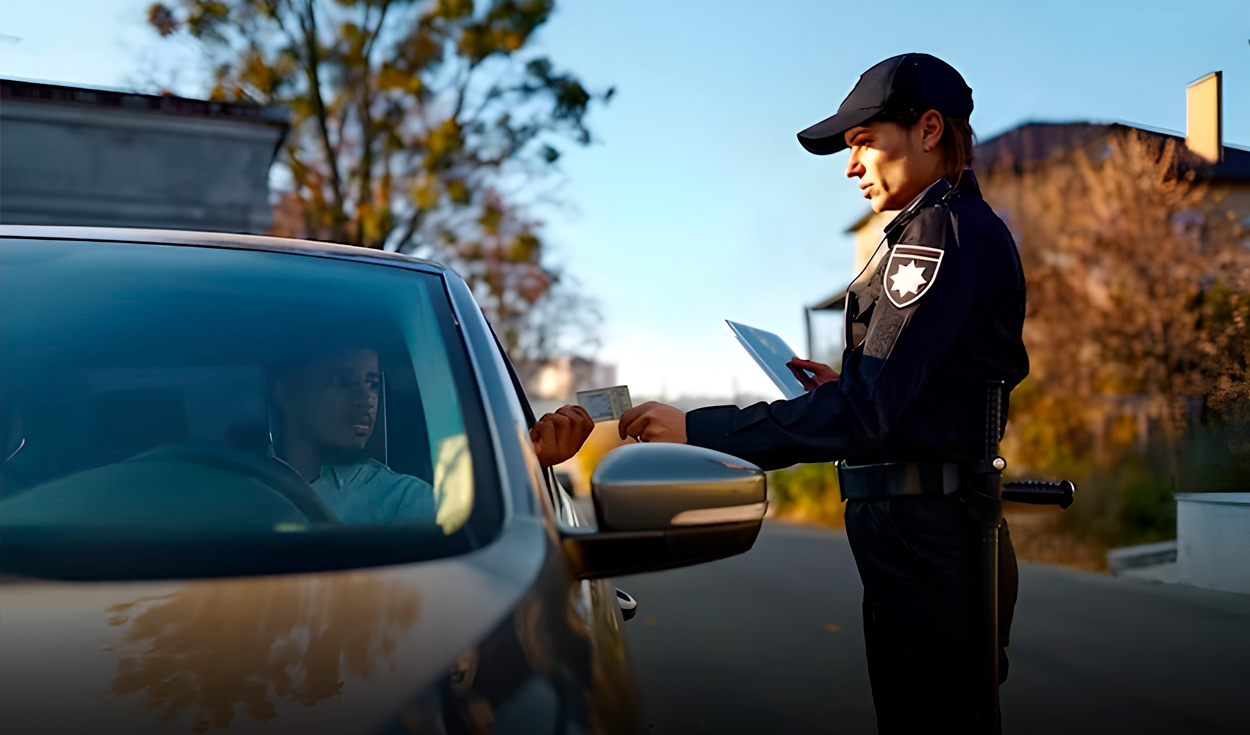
{"x":696,"y":204}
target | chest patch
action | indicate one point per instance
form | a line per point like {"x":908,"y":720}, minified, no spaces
{"x":910,"y":273}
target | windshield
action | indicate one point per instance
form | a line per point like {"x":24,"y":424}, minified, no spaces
{"x":183,"y":396}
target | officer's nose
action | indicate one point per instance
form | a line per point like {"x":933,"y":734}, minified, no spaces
{"x":854,"y":169}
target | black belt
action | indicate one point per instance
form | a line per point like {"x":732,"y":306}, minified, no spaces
{"x":898,"y":479}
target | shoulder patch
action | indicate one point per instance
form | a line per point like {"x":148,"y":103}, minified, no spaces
{"x":910,"y":273}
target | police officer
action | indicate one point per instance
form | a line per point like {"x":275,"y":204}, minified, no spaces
{"x":941,"y":315}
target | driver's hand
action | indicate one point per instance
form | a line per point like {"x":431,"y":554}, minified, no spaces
{"x":557,"y":436}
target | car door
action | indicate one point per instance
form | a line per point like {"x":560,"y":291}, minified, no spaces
{"x":594,"y":605}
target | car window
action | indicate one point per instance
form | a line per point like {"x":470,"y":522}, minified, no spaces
{"x":160,"y":389}
{"x":561,"y":502}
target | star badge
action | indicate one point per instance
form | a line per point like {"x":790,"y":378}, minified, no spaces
{"x":910,"y":272}
{"x":908,"y":279}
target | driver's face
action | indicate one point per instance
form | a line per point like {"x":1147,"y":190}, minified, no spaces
{"x":335,"y":401}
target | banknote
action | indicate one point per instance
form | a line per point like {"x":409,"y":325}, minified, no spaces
{"x":605,"y":404}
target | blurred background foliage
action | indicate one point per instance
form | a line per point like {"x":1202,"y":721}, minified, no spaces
{"x":807,"y":493}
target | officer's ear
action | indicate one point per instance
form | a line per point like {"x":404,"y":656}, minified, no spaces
{"x":931,"y":126}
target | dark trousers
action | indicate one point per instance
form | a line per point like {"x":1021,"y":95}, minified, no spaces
{"x":919,"y":560}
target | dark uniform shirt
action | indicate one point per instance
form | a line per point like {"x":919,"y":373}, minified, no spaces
{"x":943,"y":314}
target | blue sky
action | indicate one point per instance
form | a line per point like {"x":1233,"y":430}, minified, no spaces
{"x":696,"y":204}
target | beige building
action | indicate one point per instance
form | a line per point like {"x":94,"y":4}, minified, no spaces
{"x":555,"y":382}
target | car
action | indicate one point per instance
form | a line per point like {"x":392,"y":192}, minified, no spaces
{"x":168,"y":567}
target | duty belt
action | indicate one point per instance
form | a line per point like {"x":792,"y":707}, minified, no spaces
{"x":898,"y":479}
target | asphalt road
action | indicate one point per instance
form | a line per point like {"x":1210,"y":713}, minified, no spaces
{"x":772,"y":642}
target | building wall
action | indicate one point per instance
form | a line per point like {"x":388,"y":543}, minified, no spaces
{"x":867,"y":237}
{"x":80,"y":164}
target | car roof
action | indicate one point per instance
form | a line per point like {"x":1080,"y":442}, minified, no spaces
{"x":220,"y":240}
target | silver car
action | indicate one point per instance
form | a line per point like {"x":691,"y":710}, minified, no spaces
{"x":255,"y":484}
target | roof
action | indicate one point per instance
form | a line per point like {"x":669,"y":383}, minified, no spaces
{"x":168,"y":104}
{"x":1035,"y":141}
{"x":836,"y":302}
{"x":860,"y":222}
{"x":221,"y":240}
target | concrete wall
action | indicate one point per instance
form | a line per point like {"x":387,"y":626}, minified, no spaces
{"x":1213,"y":540}
{"x":78,"y":164}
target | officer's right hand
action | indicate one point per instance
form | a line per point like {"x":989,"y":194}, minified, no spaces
{"x":820,"y":373}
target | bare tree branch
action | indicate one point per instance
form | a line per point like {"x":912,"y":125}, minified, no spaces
{"x":308,"y":23}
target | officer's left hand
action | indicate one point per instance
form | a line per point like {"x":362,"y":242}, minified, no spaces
{"x":654,"y":422}
{"x":820,"y":372}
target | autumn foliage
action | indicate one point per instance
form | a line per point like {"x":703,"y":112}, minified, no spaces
{"x":1138,"y":273}
{"x":421,"y":126}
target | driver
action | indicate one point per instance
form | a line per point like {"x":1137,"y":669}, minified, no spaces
{"x":327,"y":409}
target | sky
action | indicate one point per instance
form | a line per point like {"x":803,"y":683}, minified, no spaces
{"x":696,"y":204}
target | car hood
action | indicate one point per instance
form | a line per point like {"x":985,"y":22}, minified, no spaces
{"x":344,"y":652}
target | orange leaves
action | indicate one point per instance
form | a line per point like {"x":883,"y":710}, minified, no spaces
{"x":264,"y":75}
{"x":504,"y":29}
{"x":352,"y":41}
{"x":205,"y":17}
{"x":425,"y":192}
{"x":391,"y":77}
{"x":1134,"y":276}
{"x":428,"y":191}
{"x":420,"y":50}
{"x":442,"y":143}
{"x":492,"y":216}
{"x":454,"y":9}
{"x":525,"y":247}
{"x":459,"y":193}
{"x":511,"y":40}
{"x":372,"y":224}
{"x":162,"y":19}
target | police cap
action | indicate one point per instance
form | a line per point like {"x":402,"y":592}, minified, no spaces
{"x":918,"y":82}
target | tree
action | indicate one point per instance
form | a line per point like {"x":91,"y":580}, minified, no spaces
{"x":418,"y":126}
{"x":1139,"y":288}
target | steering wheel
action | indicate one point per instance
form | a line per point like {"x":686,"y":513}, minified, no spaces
{"x":277,"y":477}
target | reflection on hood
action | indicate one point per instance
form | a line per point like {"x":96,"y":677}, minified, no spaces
{"x":257,"y":643}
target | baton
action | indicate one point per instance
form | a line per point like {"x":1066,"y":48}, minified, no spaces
{"x":989,"y":511}
{"x":1038,"y":492}
{"x":986,"y":506}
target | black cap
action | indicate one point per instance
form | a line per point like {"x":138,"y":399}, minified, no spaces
{"x":917,"y":82}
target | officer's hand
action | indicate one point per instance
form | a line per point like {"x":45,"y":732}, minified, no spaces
{"x":654,"y":422}
{"x":821,"y":373}
{"x":557,"y":436}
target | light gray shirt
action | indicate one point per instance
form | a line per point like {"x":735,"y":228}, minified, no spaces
{"x":371,"y":492}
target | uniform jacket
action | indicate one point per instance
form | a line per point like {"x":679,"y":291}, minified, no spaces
{"x":942,"y":314}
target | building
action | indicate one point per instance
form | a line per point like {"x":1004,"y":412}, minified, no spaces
{"x":76,"y":156}
{"x":554,"y":383}
{"x":1035,"y":144}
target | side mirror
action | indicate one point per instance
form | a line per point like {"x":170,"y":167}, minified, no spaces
{"x":661,"y":506}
